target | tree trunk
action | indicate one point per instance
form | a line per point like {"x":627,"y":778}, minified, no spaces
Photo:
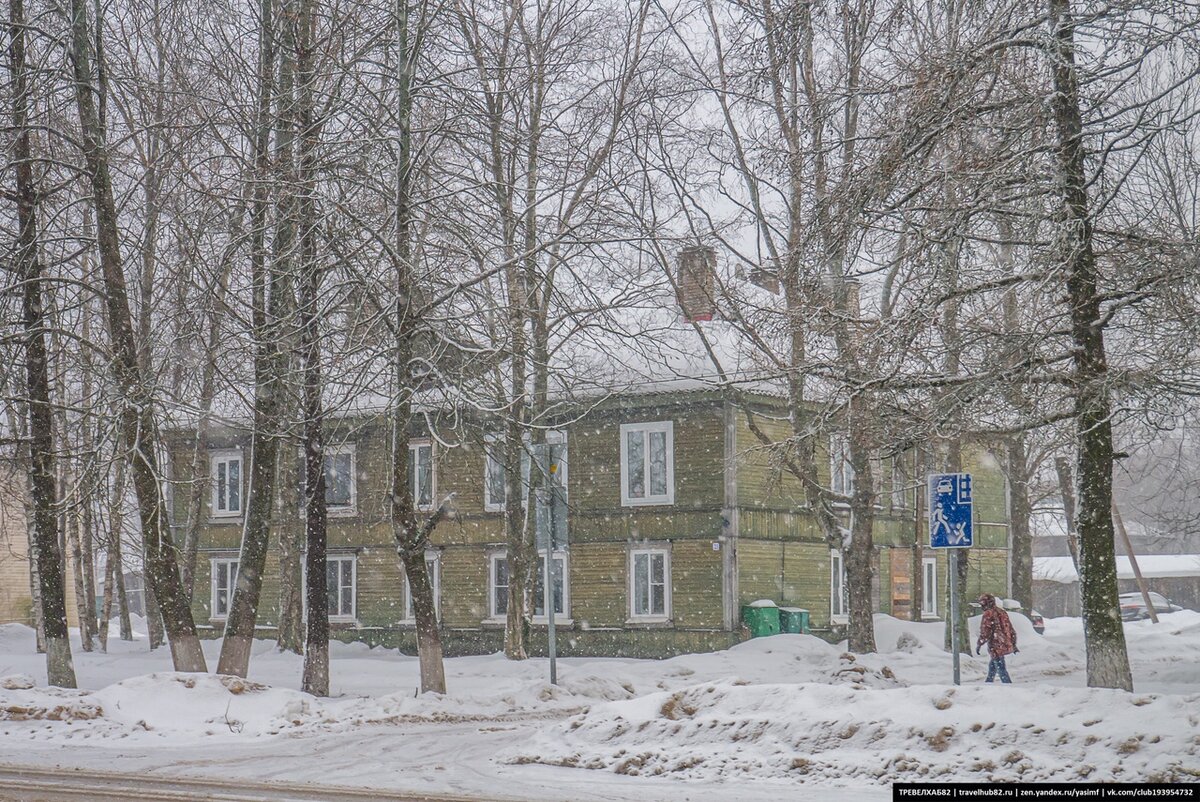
{"x":1017,"y":468}
{"x":518,"y":538}
{"x":200,"y":480}
{"x":316,"y":647}
{"x":1066,"y":488}
{"x":270,"y":364}
{"x":1107,"y":658}
{"x":860,"y":633}
{"x":116,"y":527}
{"x":60,"y":668}
{"x":87,"y":555}
{"x":1020,"y":508}
{"x":918,"y":546}
{"x":138,"y":430}
{"x":153,"y":611}
{"x":126,"y":623}
{"x":520,"y":561}
{"x":291,"y":546}
{"x":411,"y":539}
{"x":74,"y":526}
{"x":291,"y":550}
{"x":35,"y":579}
{"x":106,"y":606}
{"x":86,"y":496}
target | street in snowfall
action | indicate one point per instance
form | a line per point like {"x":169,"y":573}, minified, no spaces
{"x":599,"y":399}
{"x":779,"y":717}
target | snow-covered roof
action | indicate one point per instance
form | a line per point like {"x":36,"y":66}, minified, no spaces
{"x":1061,"y":569}
{"x":653,"y":349}
{"x":1048,"y":523}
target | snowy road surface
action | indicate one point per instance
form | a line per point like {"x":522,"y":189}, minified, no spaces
{"x":776,"y":718}
{"x":29,"y":784}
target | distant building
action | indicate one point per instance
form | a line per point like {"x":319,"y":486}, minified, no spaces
{"x":1176,"y":576}
{"x":15,"y":596}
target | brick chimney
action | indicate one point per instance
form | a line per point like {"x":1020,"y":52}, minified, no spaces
{"x":765,"y":279}
{"x":695,"y":283}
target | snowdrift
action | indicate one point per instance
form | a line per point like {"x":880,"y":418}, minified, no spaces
{"x":783,"y":711}
{"x":846,"y":733}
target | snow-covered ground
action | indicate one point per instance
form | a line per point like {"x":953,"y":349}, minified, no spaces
{"x":761,"y":721}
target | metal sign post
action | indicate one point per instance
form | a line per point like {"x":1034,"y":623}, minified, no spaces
{"x":549,"y":583}
{"x":954,"y":613}
{"x":951,"y":526}
{"x":550,"y":531}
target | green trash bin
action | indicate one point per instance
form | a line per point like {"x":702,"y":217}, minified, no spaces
{"x":793,"y":619}
{"x":762,"y":618}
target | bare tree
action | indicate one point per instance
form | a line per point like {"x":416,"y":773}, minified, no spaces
{"x":139,"y":430}
{"x":1107,"y":660}
{"x":302,"y":38}
{"x":271,"y":363}
{"x":60,"y":668}
{"x":411,"y":536}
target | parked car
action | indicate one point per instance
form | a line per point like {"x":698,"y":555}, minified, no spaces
{"x":1133,"y":606}
{"x":1039,"y":623}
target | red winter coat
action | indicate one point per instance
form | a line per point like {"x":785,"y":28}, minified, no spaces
{"x":997,"y":632}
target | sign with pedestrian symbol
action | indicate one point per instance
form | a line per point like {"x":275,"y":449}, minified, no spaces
{"x":950,"y":508}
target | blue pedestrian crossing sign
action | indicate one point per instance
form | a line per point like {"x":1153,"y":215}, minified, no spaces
{"x":950,"y":520}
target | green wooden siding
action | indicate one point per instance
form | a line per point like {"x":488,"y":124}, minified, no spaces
{"x":780,"y":552}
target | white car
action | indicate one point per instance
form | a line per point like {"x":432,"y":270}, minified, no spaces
{"x":1133,"y":606}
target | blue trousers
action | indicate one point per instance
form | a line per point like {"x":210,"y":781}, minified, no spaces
{"x":996,"y":666}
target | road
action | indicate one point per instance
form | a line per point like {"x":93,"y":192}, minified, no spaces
{"x":31,"y":784}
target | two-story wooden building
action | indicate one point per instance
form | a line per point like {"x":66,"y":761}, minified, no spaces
{"x":676,"y":515}
{"x":676,"y":519}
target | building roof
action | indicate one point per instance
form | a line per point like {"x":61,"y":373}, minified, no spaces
{"x":1061,"y":569}
{"x":653,"y":349}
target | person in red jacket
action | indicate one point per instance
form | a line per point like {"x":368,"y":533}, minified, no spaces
{"x":996,"y":630}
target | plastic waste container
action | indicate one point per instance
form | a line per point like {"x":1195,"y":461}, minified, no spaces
{"x":761,"y":617}
{"x":793,"y":619}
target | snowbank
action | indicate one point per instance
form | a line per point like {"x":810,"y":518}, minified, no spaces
{"x":726,"y":731}
{"x":781,"y":711}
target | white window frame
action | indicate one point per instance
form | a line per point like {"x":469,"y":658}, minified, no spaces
{"x":414,"y":448}
{"x":215,"y":563}
{"x":496,"y":440}
{"x":563,"y":617}
{"x":901,"y":492}
{"x":352,"y":616}
{"x":435,"y":573}
{"x":668,"y":427}
{"x":643,"y":618}
{"x":558,"y":437}
{"x":225,"y":456}
{"x":839,"y":606}
{"x":491,"y":462}
{"x":841,"y":472}
{"x":329,"y":558}
{"x":929,"y":589}
{"x":344,"y":510}
{"x":493,"y":558}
